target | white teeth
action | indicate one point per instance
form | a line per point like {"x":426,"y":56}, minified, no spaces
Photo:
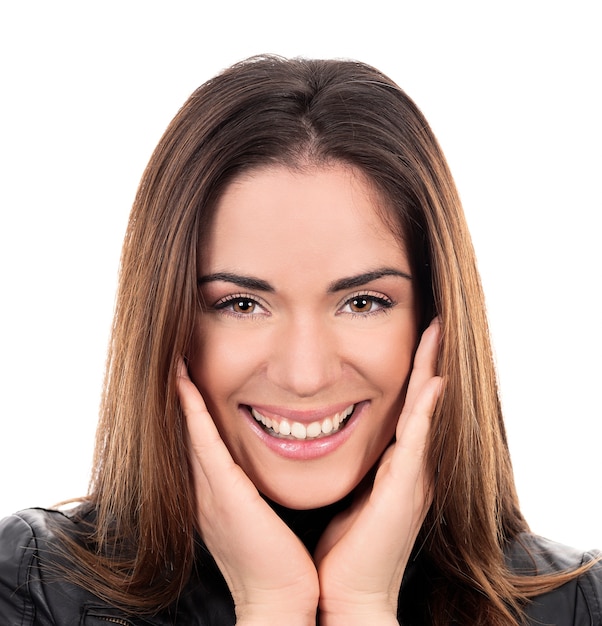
{"x":314,"y":429}
{"x":300,"y":431}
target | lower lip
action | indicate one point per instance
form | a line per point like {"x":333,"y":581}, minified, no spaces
{"x":306,"y":449}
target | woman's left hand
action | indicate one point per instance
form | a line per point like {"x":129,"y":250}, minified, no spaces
{"x":363,"y":553}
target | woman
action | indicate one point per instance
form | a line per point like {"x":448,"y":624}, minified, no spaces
{"x":300,"y":420}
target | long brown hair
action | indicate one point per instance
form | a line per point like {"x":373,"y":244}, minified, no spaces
{"x":269,"y":110}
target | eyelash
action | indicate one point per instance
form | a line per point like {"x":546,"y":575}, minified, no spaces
{"x":226,"y":304}
{"x":230,"y":301}
{"x":384,"y":304}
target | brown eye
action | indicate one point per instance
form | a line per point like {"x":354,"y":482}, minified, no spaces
{"x":365,"y":304}
{"x":243,"y":305}
{"x":360,"y":304}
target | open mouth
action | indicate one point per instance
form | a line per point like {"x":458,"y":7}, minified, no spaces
{"x":287,"y":429}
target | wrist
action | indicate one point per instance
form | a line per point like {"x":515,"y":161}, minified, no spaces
{"x":367,"y":619}
{"x":276,"y":619}
{"x":358,"y":613}
{"x":278,"y":606}
{"x":276,"y":615}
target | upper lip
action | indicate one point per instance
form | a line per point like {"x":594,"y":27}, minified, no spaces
{"x":303,"y":416}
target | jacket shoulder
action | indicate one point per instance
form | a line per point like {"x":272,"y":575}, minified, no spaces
{"x":34,"y":591}
{"x":575,"y":603}
{"x":22,"y":599}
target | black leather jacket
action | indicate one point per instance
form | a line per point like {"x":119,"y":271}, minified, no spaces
{"x":31,"y":596}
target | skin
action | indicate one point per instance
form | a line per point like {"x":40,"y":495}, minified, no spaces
{"x":302,"y":342}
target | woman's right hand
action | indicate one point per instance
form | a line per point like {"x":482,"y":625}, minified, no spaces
{"x":269,"y":572}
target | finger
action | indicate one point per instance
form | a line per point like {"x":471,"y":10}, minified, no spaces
{"x":407,"y":463}
{"x":207,"y":447}
{"x":190,"y":398}
{"x":413,"y":430}
{"x":425,"y":360}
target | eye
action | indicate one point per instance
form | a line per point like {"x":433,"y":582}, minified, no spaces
{"x":365,"y":303}
{"x":240,"y":305}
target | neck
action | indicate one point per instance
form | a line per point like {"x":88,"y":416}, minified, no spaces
{"x":309,"y":524}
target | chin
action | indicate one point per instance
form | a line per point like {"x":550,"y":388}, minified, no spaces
{"x":307,"y":497}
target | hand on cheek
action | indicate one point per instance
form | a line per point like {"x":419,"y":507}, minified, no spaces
{"x":271,"y":576}
{"x":363,"y":554}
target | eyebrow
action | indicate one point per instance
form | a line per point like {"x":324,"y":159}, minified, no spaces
{"x":350,"y":282}
{"x":247,"y":282}
{"x":367,"y":277}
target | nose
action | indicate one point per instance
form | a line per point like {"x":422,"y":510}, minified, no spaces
{"x":305,"y":359}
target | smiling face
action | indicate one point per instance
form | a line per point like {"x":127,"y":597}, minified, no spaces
{"x":305,"y":340}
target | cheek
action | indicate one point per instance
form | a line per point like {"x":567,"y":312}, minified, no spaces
{"x":220,"y":363}
{"x":387,"y":365}
{"x":397,"y":364}
{"x":386,"y":358}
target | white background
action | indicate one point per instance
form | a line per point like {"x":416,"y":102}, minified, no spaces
{"x":511,"y":89}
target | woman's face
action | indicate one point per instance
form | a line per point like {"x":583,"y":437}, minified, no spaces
{"x":305,"y":340}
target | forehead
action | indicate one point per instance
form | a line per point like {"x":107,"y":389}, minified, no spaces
{"x":277,"y":213}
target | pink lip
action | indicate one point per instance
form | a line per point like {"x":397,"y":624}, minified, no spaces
{"x":308,"y":449}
